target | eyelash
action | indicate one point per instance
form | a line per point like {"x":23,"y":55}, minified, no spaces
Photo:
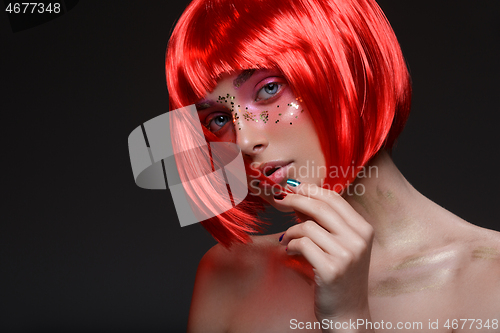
{"x":213,"y":117}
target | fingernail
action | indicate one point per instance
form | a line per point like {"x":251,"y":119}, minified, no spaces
{"x":281,"y":237}
{"x":292,"y":182}
{"x":280,"y":196}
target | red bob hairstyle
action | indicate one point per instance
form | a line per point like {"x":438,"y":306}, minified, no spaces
{"x":340,"y":56}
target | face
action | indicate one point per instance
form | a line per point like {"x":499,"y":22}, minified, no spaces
{"x":258,"y":111}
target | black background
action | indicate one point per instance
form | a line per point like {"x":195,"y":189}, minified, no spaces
{"x":82,"y":248}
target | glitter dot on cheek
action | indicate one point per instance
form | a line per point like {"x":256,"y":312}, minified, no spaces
{"x":248,"y":115}
{"x":293,"y":105}
{"x":264,"y":116}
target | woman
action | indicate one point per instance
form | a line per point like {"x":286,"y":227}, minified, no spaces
{"x":315,"y":93}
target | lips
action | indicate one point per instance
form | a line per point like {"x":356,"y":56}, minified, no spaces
{"x":280,"y":174}
{"x":275,"y":171}
{"x":269,"y":171}
{"x":270,"y":167}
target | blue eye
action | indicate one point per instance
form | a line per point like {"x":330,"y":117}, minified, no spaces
{"x":268,"y":91}
{"x":217,"y":122}
{"x":271,"y":88}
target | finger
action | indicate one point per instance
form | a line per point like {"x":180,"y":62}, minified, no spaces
{"x":320,"y":212}
{"x":326,"y":267}
{"x":339,"y":204}
{"x":311,"y":252}
{"x":318,"y":235}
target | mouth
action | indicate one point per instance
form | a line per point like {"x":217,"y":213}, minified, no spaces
{"x":269,"y":172}
{"x":270,"y":168}
{"x":273,"y":173}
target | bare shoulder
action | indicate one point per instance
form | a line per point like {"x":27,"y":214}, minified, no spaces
{"x":481,"y":249}
{"x":479,"y":287}
{"x":224,"y":278}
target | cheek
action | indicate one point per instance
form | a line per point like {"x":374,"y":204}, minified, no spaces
{"x":292,"y":113}
{"x":291,"y":121}
{"x":278,"y":116}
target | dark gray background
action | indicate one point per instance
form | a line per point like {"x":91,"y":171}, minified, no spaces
{"x":83,"y":249}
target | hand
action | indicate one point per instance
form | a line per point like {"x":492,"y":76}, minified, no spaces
{"x":337,"y":242}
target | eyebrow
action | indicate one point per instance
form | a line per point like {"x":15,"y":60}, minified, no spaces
{"x":238,"y":82}
{"x":244,"y":76}
{"x":204,"y":104}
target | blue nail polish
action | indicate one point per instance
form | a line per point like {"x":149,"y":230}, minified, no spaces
{"x":281,"y":237}
{"x":292,"y":182}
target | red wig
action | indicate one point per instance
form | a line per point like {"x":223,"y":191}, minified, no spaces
{"x":340,"y":56}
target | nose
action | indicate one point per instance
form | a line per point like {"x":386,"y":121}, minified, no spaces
{"x":250,"y":137}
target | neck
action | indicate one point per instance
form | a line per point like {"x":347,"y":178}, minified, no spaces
{"x":390,"y":204}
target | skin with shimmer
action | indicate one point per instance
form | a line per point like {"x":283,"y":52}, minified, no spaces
{"x":420,"y":263}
